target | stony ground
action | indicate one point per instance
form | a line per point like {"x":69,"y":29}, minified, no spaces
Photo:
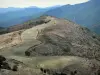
{"x":55,"y":47}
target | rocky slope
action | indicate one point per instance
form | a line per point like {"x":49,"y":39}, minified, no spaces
{"x":10,"y":39}
{"x":27,"y":25}
{"x":54,"y":47}
{"x":63,"y":37}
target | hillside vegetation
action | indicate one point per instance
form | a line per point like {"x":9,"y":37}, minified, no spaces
{"x":53,"y":46}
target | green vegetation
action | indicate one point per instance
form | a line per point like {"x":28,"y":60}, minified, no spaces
{"x":3,"y":30}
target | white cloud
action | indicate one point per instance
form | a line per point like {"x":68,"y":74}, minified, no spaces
{"x":39,"y":3}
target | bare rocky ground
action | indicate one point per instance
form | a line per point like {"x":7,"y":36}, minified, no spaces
{"x":53,"y":47}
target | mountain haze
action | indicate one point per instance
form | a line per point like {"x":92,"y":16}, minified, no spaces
{"x":85,"y":14}
{"x":9,"y":9}
{"x":13,"y":16}
{"x":20,"y":16}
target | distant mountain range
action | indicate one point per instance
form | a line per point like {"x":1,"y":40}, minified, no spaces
{"x":96,"y":28}
{"x":9,"y":9}
{"x":86,"y":14}
{"x":20,"y":16}
{"x":13,"y":16}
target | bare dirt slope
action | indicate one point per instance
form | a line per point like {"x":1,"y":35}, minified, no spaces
{"x":63,"y":37}
{"x":58,"y":46}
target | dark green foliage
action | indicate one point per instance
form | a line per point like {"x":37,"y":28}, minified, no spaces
{"x":15,"y":68}
{"x":3,"y":63}
{"x":26,"y":25}
{"x":2,"y":58}
{"x":27,"y":53}
{"x":3,"y":30}
{"x":37,"y":22}
{"x":94,"y":37}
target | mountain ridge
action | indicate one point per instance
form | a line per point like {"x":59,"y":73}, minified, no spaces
{"x":56,"y":45}
{"x":85,"y":14}
{"x":52,"y":29}
{"x":22,"y":15}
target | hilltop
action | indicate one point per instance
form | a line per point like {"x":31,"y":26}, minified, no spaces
{"x":54,"y":44}
{"x":85,"y":14}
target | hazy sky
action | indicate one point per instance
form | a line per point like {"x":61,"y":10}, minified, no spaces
{"x":39,"y":3}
